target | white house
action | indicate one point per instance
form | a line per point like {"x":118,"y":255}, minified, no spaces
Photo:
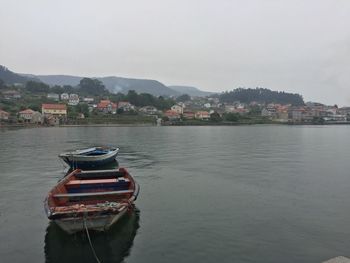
{"x":149,"y":110}
{"x":73,"y":99}
{"x":178,"y":109}
{"x":64,"y":96}
{"x":207,"y":105}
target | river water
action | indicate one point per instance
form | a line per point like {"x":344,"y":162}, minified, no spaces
{"x":208,"y":194}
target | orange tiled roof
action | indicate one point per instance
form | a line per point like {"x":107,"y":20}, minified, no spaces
{"x":171,"y":113}
{"x":27,"y":111}
{"x":105,"y":103}
{"x":54,"y":106}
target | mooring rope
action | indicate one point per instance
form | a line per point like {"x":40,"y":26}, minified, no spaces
{"x":92,"y":247}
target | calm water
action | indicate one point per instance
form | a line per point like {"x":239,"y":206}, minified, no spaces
{"x":208,"y":194}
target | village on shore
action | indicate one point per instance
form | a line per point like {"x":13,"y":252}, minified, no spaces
{"x":185,"y":110}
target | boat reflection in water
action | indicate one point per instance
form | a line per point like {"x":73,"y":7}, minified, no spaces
{"x":111,"y":246}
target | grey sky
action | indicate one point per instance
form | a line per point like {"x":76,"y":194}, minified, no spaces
{"x":293,"y":45}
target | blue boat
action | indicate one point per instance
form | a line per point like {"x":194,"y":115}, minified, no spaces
{"x":90,"y":157}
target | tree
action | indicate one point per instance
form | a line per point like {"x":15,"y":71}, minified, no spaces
{"x":132,"y":97}
{"x":2,"y":84}
{"x":318,"y":120}
{"x":231,"y":117}
{"x":68,"y":89}
{"x":92,"y":87}
{"x":72,"y":112}
{"x":261,"y":95}
{"x":255,"y":110}
{"x":183,"y":98}
{"x":37,"y":87}
{"x":57,"y":89}
{"x":83,"y":108}
{"x":215,"y":117}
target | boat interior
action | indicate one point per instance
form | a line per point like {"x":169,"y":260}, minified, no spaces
{"x":92,"y":187}
{"x":95,"y":152}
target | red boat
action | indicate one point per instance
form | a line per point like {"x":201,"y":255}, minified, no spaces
{"x":91,"y":199}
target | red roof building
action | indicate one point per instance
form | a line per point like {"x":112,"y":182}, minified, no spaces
{"x":172,"y":115}
{"x":107,"y":106}
{"x":54,"y":106}
{"x":202,"y":115}
{"x":54,"y":109}
{"x":189,"y":115}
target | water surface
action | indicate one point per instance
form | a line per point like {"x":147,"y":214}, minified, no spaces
{"x":208,"y":194}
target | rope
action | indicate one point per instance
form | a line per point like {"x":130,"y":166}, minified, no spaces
{"x":92,"y":248}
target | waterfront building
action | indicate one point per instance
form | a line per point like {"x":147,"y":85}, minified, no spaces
{"x":4,"y":115}
{"x":53,"y":96}
{"x":172,"y":115}
{"x":106,"y":106}
{"x":179,"y":109}
{"x":189,"y":115}
{"x":150,"y":110}
{"x":54,"y":114}
{"x":125,"y":105}
{"x":31,"y":116}
{"x":54,"y":109}
{"x":202,"y":115}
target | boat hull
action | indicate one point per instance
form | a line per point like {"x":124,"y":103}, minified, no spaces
{"x":97,"y":223}
{"x":91,"y":199}
{"x":84,"y":162}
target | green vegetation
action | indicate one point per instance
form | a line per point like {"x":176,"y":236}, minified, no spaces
{"x":144,"y":99}
{"x":92,"y":87}
{"x":34,"y":94}
{"x":183,"y":98}
{"x":37,"y":87}
{"x":10,"y":77}
{"x":261,"y":95}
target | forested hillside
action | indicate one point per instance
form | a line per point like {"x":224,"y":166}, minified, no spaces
{"x":261,"y":95}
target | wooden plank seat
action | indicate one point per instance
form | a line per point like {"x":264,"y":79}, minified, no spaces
{"x":99,"y":174}
{"x":93,"y":194}
{"x":96,"y":181}
{"x":115,"y":184}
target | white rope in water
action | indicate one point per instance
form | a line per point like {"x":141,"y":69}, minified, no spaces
{"x":92,"y":247}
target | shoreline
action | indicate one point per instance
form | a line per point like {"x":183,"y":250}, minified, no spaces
{"x":177,"y":124}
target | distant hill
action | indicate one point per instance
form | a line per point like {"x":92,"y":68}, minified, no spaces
{"x":59,"y":80}
{"x":261,"y":95}
{"x":154,"y":87}
{"x":10,"y":77}
{"x":114,"y":84}
{"x":192,"y":91}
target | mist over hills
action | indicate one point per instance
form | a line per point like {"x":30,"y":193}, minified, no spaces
{"x":10,"y":77}
{"x":123,"y":85}
{"x":192,"y":91}
{"x":112,"y":83}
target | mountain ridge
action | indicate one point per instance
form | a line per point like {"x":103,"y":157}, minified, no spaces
{"x":190,"y":90}
{"x":113,"y":83}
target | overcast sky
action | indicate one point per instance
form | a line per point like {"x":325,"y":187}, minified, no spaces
{"x":298,"y":46}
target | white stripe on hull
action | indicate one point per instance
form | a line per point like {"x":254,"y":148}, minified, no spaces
{"x":82,"y":158}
